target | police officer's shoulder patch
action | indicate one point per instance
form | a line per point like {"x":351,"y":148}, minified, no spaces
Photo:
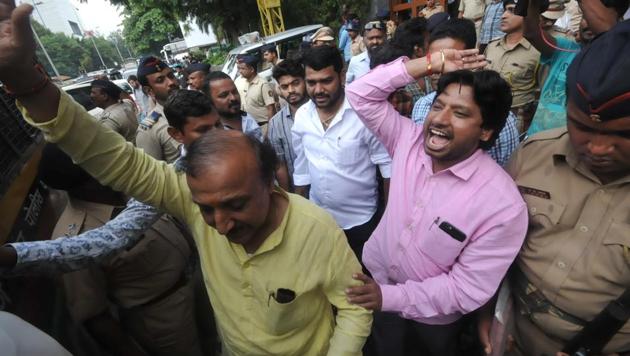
{"x":150,"y":120}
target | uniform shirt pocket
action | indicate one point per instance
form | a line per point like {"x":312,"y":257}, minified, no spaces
{"x":617,"y":246}
{"x":543,"y":213}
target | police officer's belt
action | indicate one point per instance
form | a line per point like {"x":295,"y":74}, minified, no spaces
{"x":531,"y":300}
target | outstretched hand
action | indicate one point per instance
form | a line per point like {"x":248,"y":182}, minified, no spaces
{"x":17,"y":46}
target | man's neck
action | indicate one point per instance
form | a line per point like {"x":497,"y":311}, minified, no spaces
{"x":325,"y":113}
{"x":251,"y":78}
{"x":108,"y":104}
{"x":294,"y":107}
{"x":234,"y":122}
{"x":514,"y":38}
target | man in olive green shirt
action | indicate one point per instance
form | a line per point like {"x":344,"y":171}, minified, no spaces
{"x":276,"y":262}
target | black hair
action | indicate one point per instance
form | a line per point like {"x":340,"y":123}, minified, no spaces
{"x":132,"y":77}
{"x":182,"y":104}
{"x":411,"y":34}
{"x":217,"y":145}
{"x":387,"y":53}
{"x":491,"y":93}
{"x":457,"y":29}
{"x":288,"y":67}
{"x":109,"y":88}
{"x":211,"y":77}
{"x":321,"y":57}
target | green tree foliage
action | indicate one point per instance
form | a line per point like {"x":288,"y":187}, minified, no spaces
{"x":72,"y":55}
{"x":149,"y":25}
{"x":327,"y":12}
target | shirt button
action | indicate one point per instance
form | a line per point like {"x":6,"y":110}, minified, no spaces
{"x":601,"y":191}
{"x":533,"y":209}
{"x":583,"y":228}
{"x":561,"y":264}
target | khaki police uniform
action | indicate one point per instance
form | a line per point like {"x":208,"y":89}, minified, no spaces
{"x":577,"y":251}
{"x":258,"y":95}
{"x":473,"y":10}
{"x":428,"y":12}
{"x":120,"y":118}
{"x":241,"y":85}
{"x":146,"y":283}
{"x":154,"y":139}
{"x":518,"y":66}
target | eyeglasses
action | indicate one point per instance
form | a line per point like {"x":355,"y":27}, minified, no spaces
{"x":374,"y":25}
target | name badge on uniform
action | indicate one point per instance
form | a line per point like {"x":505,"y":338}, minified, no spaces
{"x":533,"y":191}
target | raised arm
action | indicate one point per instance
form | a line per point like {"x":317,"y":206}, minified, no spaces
{"x":534,"y":33}
{"x":68,"y":254}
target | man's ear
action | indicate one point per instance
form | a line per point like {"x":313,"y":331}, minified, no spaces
{"x":486,"y":134}
{"x":149,"y":91}
{"x":175,"y":134}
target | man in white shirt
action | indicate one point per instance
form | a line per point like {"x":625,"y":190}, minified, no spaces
{"x":374,"y":35}
{"x":336,"y":154}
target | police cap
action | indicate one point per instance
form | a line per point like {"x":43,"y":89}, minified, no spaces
{"x":149,"y":65}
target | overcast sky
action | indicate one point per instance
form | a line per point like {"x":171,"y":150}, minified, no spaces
{"x":99,"y":15}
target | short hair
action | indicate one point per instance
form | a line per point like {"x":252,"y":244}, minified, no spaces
{"x":410,"y":34}
{"x":321,"y":57}
{"x":288,"y":67}
{"x":211,"y":77}
{"x":457,"y":29}
{"x":109,"y":88}
{"x":490,"y":92}
{"x":389,"y":52}
{"x":132,"y":77}
{"x":182,"y":104}
{"x":216,"y":145}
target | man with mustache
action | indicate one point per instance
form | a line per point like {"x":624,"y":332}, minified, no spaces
{"x":158,"y":80}
{"x":374,"y":33}
{"x":220,"y":88}
{"x":289,"y":74}
{"x":337,"y":155}
{"x":454,"y":220}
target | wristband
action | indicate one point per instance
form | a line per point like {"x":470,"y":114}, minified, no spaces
{"x":429,"y":69}
{"x":443,"y":61}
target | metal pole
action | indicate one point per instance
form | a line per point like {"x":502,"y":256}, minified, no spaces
{"x":98,"y":52}
{"x":45,"y":53}
{"x":117,"y":50}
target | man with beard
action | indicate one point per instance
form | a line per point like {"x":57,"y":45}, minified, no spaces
{"x":455,"y":220}
{"x":373,"y":37}
{"x":289,"y":74}
{"x":159,"y":81}
{"x":557,"y":52}
{"x":336,"y":154}
{"x":220,"y":88}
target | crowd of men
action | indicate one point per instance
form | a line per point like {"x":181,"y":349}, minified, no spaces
{"x":383,"y":194}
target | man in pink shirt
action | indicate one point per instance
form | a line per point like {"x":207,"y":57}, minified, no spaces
{"x":455,"y":220}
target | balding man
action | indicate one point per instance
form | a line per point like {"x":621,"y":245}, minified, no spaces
{"x":249,"y":233}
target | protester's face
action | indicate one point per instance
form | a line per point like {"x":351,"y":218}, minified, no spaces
{"x":98,"y":96}
{"x":292,"y":89}
{"x":134,"y":83}
{"x":269,"y":56}
{"x":430,"y":3}
{"x":162,"y":84}
{"x":195,"y":127}
{"x":232,"y":198}
{"x":452,"y":130}
{"x":246,"y":70}
{"x":225,"y":97}
{"x":442,"y":44}
{"x":323,"y":86}
{"x":510,"y":22}
{"x":604,"y":147}
{"x":374,"y":38}
{"x":195,"y":79}
{"x":353,"y":34}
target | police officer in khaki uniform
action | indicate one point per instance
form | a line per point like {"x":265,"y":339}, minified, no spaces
{"x":576,"y":182}
{"x":159,"y":80}
{"x":517,"y":62}
{"x":146,"y":284}
{"x":116,"y":115}
{"x":258,"y":100}
{"x":432,"y":7}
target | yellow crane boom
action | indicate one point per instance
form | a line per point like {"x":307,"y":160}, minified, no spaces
{"x":270,"y":16}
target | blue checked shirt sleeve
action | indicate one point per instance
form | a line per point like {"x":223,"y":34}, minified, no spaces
{"x":421,"y":108}
{"x":506,"y":142}
{"x":68,"y":254}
